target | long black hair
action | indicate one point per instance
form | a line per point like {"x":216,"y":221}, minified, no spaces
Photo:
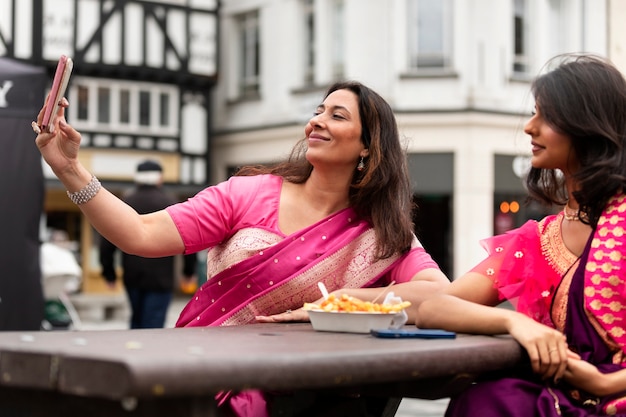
{"x":584,"y":97}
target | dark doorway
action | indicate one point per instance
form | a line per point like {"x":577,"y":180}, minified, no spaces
{"x":433,"y":227}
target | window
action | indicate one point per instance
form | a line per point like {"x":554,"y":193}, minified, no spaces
{"x":83,"y":103}
{"x":144,"y":108}
{"x":164,"y":106}
{"x":249,"y":58}
{"x":430,"y":34}
{"x":104,"y":105}
{"x":520,"y":37}
{"x":309,"y":41}
{"x":124,"y":106}
{"x":331,"y":39}
{"x":339,"y":43}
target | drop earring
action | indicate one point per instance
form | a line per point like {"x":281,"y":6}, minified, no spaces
{"x":361,"y":165}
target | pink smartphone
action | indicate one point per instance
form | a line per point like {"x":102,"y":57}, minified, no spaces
{"x":59,"y":85}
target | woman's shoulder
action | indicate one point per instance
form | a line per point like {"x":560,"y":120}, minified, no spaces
{"x":533,"y":228}
{"x":244,"y":192}
{"x":274,"y":182}
{"x":529,"y":234}
{"x":238,"y":191}
{"x":550,"y":221}
{"x":256,"y":195}
{"x":218,"y":211}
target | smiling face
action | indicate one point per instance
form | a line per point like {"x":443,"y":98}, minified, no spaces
{"x":551,"y":149}
{"x":334,"y":132}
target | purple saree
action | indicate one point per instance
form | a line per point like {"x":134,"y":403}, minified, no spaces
{"x":585,"y":304}
{"x":526,"y":395}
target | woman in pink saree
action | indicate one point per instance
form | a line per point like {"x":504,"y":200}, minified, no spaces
{"x":339,"y":211}
{"x":565,"y":274}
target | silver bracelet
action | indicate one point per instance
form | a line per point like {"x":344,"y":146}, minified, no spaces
{"x":88,"y":192}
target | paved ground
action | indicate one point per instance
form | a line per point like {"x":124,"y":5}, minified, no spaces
{"x":408,"y":407}
{"x":421,"y":408}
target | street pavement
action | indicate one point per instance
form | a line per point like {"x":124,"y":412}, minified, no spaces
{"x":408,"y":407}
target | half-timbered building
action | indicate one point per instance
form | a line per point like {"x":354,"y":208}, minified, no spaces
{"x":141,"y":87}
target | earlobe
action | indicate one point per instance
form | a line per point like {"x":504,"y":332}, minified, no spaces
{"x":364,"y":153}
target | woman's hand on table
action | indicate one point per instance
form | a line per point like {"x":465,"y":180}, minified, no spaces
{"x":290,"y":315}
{"x":546,"y":347}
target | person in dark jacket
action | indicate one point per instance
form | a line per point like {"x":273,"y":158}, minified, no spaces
{"x":149,"y":282}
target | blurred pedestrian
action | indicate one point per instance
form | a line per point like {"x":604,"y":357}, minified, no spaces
{"x":149,"y":282}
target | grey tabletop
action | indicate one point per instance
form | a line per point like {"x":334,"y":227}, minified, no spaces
{"x":198,"y":361}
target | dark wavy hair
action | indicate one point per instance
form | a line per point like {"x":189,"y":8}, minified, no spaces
{"x":381,"y":193}
{"x":584,"y":97}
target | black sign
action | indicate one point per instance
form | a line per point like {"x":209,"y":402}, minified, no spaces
{"x":22,"y":88}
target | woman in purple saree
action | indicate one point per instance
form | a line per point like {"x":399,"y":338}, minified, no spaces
{"x":339,"y":211}
{"x":566,"y":274}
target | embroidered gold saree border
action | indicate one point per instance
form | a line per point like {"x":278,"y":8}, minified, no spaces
{"x":562,"y":261}
{"x":552,"y":246}
{"x":604,"y":274}
{"x":242,"y":245}
{"x":565,"y":263}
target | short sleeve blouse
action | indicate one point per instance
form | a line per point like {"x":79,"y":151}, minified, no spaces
{"x":216,"y":213}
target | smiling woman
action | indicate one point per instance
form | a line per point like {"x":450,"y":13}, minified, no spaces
{"x":334,"y":133}
{"x":339,"y":211}
{"x":564,"y":273}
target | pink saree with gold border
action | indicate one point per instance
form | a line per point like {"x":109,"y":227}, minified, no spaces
{"x":257,"y":272}
{"x":253,"y":269}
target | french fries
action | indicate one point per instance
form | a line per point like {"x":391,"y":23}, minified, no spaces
{"x":347,"y":304}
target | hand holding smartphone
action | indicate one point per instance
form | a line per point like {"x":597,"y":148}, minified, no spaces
{"x":59,"y":85}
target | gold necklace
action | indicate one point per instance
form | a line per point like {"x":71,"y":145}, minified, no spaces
{"x":573,"y":214}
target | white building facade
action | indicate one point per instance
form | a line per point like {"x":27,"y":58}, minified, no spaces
{"x":456,"y":72}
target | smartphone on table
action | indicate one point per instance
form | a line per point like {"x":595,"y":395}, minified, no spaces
{"x":413,"y":333}
{"x":59,"y":85}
